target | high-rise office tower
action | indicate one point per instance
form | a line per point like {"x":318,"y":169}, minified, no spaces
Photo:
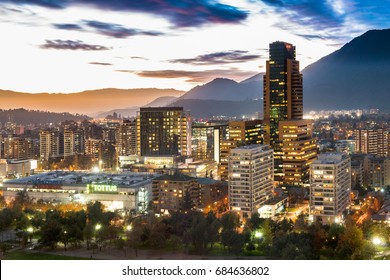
{"x":73,"y":141}
{"x":372,"y":141}
{"x":246,"y":132}
{"x":18,"y":148}
{"x":283,"y":101}
{"x":126,"y":138}
{"x":206,"y":139}
{"x":49,"y":140}
{"x":330,"y":187}
{"x":299,"y":150}
{"x":163,"y":131}
{"x":251,"y":175}
{"x":282,"y":89}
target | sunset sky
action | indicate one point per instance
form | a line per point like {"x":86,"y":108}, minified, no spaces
{"x":75,"y":45}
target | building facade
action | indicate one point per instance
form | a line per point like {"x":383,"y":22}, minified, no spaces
{"x":73,"y":141}
{"x":372,"y":141}
{"x":283,"y":97}
{"x":330,"y":187}
{"x":299,"y":150}
{"x":246,"y":132}
{"x":250,"y":178}
{"x":49,"y":140}
{"x":126,"y":138}
{"x":163,"y":131}
{"x":206,"y":139}
{"x":170,"y":191}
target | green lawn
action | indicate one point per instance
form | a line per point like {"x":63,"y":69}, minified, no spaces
{"x":38,"y":256}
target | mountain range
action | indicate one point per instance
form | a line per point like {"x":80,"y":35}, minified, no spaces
{"x":86,"y":102}
{"x":355,"y":76}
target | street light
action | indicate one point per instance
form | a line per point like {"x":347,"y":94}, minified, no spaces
{"x":258,"y":234}
{"x":377,"y":241}
{"x":129,"y":227}
{"x":98,"y":226}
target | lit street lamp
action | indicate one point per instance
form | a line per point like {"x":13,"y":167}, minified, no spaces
{"x":377,"y":241}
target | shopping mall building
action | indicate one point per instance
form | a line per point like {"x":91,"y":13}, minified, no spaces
{"x":129,"y":191}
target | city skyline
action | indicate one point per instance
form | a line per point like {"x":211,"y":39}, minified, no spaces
{"x":68,"y":46}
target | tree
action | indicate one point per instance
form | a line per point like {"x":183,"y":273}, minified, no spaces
{"x":213,"y":227}
{"x":187,"y":201}
{"x":95,"y":212}
{"x":6,"y":217}
{"x":350,"y":243}
{"x":22,"y":198}
{"x":230,"y":221}
{"x":198,"y":232}
{"x":267,"y":234}
{"x":88,"y":233}
{"x":292,"y":246}
{"x":255,"y":221}
{"x":2,"y":202}
{"x":134,"y":237}
{"x":237,"y":242}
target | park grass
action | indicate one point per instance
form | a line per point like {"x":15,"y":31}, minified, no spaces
{"x":18,"y":255}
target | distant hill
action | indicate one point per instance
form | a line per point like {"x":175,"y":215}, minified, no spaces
{"x":26,"y":117}
{"x":356,"y":76}
{"x":86,"y":102}
{"x":161,"y":101}
{"x":208,"y":108}
{"x":226,"y":89}
{"x":132,"y":111}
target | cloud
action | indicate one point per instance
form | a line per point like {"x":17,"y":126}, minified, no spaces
{"x":235,"y":56}
{"x":312,"y":20}
{"x":67,"y":26}
{"x":72,"y":45}
{"x":139,"y":57}
{"x":117,"y":30}
{"x":193,"y":76}
{"x":100,"y":63}
{"x":56,"y":4}
{"x":182,"y":13}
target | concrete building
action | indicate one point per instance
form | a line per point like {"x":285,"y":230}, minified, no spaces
{"x":17,"y":168}
{"x":376,"y":171}
{"x":283,"y":97}
{"x":299,"y":149}
{"x":250,"y":178}
{"x":49,"y":140}
{"x":372,"y":141}
{"x":73,"y":141}
{"x":18,"y":148}
{"x":246,"y":132}
{"x":129,"y":191}
{"x":163,"y":131}
{"x":225,"y":148}
{"x":356,"y":174}
{"x":206,"y":139}
{"x":169,"y":193}
{"x":330,"y":187}
{"x":126,"y":138}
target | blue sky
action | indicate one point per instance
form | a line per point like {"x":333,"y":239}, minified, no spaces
{"x":75,"y":45}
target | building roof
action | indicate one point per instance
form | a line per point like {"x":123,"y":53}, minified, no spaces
{"x":206,"y":181}
{"x":175,"y":177}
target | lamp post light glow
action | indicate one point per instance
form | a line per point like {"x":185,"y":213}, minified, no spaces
{"x":30,"y":229}
{"x":258,"y":234}
{"x":98,"y":226}
{"x":377,"y":241}
{"x":129,"y":228}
